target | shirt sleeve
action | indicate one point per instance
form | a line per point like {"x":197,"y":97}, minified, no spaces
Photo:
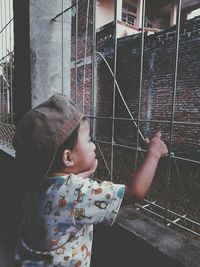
{"x":95,"y":201}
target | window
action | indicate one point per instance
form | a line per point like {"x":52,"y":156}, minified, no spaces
{"x":128,"y":13}
{"x":149,"y":23}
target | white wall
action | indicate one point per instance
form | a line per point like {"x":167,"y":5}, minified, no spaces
{"x":104,"y":12}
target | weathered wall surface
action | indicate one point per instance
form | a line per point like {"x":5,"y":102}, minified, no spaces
{"x":48,"y":58}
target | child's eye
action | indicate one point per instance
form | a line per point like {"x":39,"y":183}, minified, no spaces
{"x":92,"y":140}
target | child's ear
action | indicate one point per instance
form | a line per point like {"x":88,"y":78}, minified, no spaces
{"x":67,"y":159}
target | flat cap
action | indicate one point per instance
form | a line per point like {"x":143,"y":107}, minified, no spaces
{"x":43,"y":129}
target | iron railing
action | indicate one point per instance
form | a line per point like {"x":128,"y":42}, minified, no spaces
{"x":183,"y":216}
{"x":180,"y":217}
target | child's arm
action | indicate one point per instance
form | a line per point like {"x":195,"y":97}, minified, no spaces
{"x":141,"y":180}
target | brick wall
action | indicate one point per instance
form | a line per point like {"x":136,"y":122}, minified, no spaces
{"x":157,"y":84}
{"x":81,"y":85}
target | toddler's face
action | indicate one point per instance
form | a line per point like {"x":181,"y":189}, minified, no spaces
{"x":84,"y":152}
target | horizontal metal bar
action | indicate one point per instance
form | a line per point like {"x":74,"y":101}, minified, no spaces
{"x":172,"y":212}
{"x":168,"y":220}
{"x":174,"y":221}
{"x":6,"y":56}
{"x":54,"y":19}
{"x":119,"y":145}
{"x":186,"y":159}
{"x":144,"y":206}
{"x":143,"y":120}
{"x":9,"y":114}
{"x":143,"y":150}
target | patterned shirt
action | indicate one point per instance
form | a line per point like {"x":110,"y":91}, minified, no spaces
{"x":58,"y":220}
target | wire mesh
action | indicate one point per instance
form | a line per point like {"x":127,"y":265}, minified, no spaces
{"x":120,"y":126}
{"x":120,"y":151}
{"x":7,"y":127}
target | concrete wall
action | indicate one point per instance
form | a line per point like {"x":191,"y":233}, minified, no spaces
{"x":104,"y":12}
{"x":50,"y":43}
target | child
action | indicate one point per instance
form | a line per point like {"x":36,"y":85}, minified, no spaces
{"x":62,"y":202}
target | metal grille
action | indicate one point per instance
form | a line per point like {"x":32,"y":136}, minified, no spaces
{"x":168,"y":201}
{"x":182,"y":215}
{"x":7,"y":127}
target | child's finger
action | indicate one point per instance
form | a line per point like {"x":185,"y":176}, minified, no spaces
{"x":146,"y":140}
{"x":157,"y":134}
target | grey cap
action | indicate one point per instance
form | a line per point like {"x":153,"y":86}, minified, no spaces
{"x":42,"y":130}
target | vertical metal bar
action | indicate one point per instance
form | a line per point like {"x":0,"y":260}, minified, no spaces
{"x":7,"y":111}
{"x":140,"y":85}
{"x":85,"y":54}
{"x":1,"y":26}
{"x":76,"y":51}
{"x":4,"y":55}
{"x":62,"y":48}
{"x":92,"y":125}
{"x":11,"y":66}
{"x":178,"y":20}
{"x":114,"y":89}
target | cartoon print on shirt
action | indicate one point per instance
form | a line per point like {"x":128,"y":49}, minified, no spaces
{"x":97,"y":190}
{"x":47,"y":208}
{"x":108,"y":196}
{"x":90,"y":235}
{"x":72,"y":237}
{"x":61,"y":228}
{"x":66,"y":258}
{"x":58,"y":183}
{"x":79,"y":194}
{"x":80,"y":214}
{"x":78,"y":264}
{"x":62,"y":201}
{"x":101,"y":204}
{"x":60,"y":250}
{"x":74,"y":252}
{"x":87,"y":252}
{"x":54,"y":242}
{"x":57,"y":213}
{"x":120,"y":192}
{"x":66,"y":205}
{"x":89,"y":202}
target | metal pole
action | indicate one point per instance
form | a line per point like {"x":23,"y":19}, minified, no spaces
{"x":157,"y":121}
{"x":92,"y":113}
{"x":76,"y":51}
{"x":85,"y":55}
{"x":62,"y":48}
{"x":140,"y":84}
{"x":178,"y":19}
{"x":1,"y":35}
{"x":11,"y":64}
{"x":114,"y":90}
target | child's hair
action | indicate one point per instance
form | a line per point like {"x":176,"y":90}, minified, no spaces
{"x":69,"y":143}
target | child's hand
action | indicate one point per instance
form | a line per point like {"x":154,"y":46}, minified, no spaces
{"x":156,"y":146}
